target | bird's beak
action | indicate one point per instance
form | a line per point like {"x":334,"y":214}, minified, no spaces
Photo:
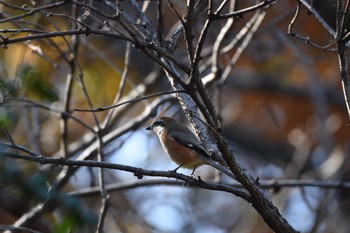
{"x":149,"y":127}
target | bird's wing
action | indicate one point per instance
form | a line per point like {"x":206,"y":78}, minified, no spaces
{"x":190,"y":141}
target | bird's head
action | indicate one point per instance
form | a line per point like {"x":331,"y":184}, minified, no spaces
{"x":160,"y":124}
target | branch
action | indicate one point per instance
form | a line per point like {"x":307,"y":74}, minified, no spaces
{"x":260,"y":201}
{"x":343,"y":63}
{"x":6,"y":41}
{"x":275,"y":185}
{"x":138,"y":172}
{"x":317,"y":16}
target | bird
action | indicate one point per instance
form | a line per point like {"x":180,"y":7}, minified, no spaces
{"x":182,"y":146}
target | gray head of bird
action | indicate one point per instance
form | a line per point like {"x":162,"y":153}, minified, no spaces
{"x":159,"y":124}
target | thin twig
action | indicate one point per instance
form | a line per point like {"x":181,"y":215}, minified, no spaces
{"x":69,"y":85}
{"x":34,"y":104}
{"x":121,"y":84}
{"x":215,"y":69}
{"x":8,"y":135}
{"x":14,"y":229}
{"x":160,"y":21}
{"x":105,"y":198}
{"x":129,"y":101}
{"x":248,"y":33}
{"x":30,"y":11}
{"x":240,"y":13}
{"x":305,"y":39}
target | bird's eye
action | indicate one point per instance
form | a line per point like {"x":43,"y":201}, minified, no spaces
{"x":158,"y":123}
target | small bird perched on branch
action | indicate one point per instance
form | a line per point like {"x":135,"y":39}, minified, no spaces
{"x":182,"y":146}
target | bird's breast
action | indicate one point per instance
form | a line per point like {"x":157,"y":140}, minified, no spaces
{"x":180,"y":154}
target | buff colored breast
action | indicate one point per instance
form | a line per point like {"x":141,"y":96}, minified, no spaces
{"x":180,"y":154}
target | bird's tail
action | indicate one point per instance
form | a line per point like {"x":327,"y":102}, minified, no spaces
{"x":222,"y":169}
